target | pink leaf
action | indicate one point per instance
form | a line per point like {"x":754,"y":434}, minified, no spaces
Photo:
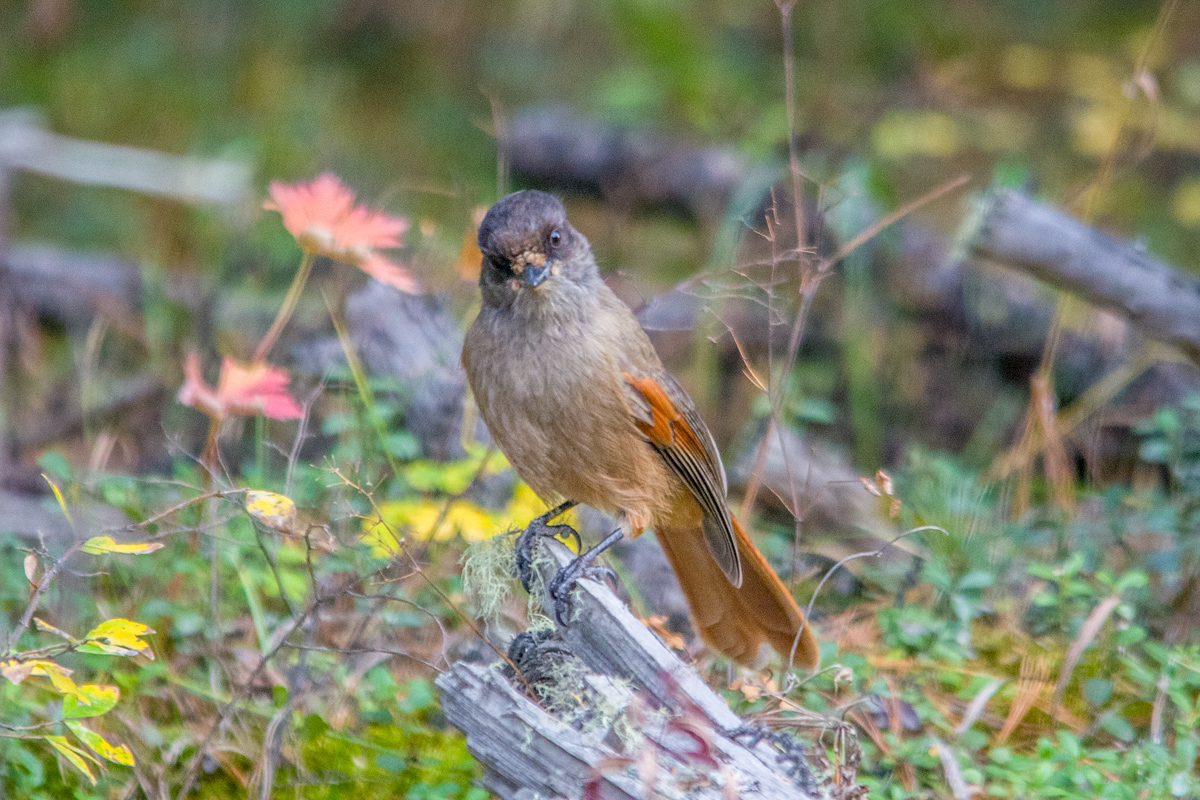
{"x":323,"y":218}
{"x":247,"y":389}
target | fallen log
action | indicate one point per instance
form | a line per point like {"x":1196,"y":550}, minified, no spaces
{"x":26,"y":144}
{"x":1015,"y":230}
{"x":632,"y":720}
{"x":556,"y":147}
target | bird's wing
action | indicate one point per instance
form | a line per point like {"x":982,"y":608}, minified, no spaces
{"x":666,"y":416}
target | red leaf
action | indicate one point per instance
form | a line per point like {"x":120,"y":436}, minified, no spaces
{"x":323,"y":218}
{"x":247,"y":389}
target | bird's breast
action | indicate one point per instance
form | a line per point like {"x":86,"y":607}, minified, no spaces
{"x":553,"y":399}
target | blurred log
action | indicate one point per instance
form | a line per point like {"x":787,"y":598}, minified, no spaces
{"x":1015,"y":230}
{"x":28,"y":517}
{"x":414,"y":340}
{"x":555,"y":147}
{"x":526,"y":751}
{"x":25,"y":144}
{"x":123,"y":402}
{"x":839,"y":517}
{"x":69,"y":287}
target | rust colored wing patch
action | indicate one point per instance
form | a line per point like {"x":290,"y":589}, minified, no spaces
{"x":676,"y":431}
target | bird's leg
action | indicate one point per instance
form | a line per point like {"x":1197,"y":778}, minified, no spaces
{"x":582,"y":566}
{"x":535,"y":530}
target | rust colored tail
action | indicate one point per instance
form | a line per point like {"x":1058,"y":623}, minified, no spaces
{"x":738,"y":621}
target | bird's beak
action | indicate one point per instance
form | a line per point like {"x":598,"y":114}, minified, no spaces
{"x":533,"y":275}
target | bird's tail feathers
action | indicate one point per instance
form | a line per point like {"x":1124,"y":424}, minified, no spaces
{"x":739,"y":621}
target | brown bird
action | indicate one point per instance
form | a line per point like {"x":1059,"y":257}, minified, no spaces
{"x":573,"y":393}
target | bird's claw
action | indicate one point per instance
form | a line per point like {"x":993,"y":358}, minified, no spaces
{"x":790,"y":753}
{"x":537,"y":529}
{"x":565,"y":580}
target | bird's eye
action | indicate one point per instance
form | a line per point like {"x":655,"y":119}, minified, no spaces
{"x":555,"y":238}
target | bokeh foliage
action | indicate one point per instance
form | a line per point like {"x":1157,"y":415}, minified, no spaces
{"x":894,"y":96}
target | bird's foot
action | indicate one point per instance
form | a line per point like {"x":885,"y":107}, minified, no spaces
{"x":582,"y":567}
{"x":536,"y":529}
{"x":790,"y":755}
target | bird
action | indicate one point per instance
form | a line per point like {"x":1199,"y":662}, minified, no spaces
{"x":575,"y":396}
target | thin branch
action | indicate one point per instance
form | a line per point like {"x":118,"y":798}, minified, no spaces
{"x":829,"y":573}
{"x":897,"y":215}
{"x":175,"y":509}
{"x":193,"y":769}
{"x":36,"y":599}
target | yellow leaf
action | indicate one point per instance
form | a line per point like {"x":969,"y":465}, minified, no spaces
{"x":118,"y":754}
{"x":106,"y":544}
{"x":276,"y":511}
{"x":902,"y":134}
{"x":42,"y":625}
{"x":117,"y":637}
{"x":1027,"y":67}
{"x":72,"y":754}
{"x":58,"y":495}
{"x":467,"y":520}
{"x":59,"y":676}
{"x":1094,"y":128}
{"x":425,"y":519}
{"x":90,"y":700}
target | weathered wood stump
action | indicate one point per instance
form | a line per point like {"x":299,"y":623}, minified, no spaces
{"x":620,"y":717}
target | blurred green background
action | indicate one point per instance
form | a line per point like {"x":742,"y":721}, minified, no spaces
{"x":401,"y":99}
{"x":396,"y":96}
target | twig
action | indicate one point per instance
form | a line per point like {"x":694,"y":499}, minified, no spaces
{"x":42,"y":586}
{"x":430,"y":583}
{"x":175,"y":509}
{"x":193,"y":769}
{"x":1087,"y":632}
{"x":342,"y":651}
{"x":829,"y":573}
{"x":301,"y":435}
{"x":897,"y":215}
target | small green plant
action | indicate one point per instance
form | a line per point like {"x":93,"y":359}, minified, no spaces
{"x":37,"y":673}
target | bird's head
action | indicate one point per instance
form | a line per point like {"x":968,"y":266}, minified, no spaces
{"x":531,"y":253}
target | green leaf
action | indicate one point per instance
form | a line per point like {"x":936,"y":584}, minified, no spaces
{"x":73,"y":754}
{"x":56,"y":463}
{"x":976,"y":579}
{"x":90,"y":700}
{"x":1097,"y":691}
{"x":1069,"y":744}
{"x":1118,"y":727}
{"x":1132,"y":580}
{"x":118,"y":754}
{"x":390,"y":763}
{"x":402,"y":445}
{"x":1043,"y":571}
{"x":418,"y":696}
